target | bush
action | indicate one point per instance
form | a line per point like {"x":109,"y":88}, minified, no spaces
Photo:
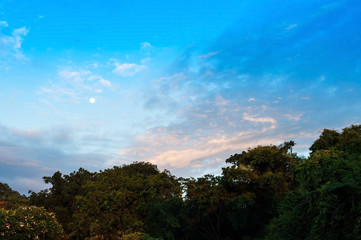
{"x":29,"y":223}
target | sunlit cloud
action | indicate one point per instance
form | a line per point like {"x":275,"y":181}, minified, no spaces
{"x":260,"y":119}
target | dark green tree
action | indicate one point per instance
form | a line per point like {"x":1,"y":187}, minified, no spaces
{"x":259,"y":179}
{"x":205,"y":202}
{"x":12,"y":198}
{"x":327,"y":204}
{"x":120,"y":200}
{"x":348,"y":141}
{"x":61,"y":197}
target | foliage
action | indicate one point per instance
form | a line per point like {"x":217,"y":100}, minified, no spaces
{"x":258,"y":179}
{"x":138,"y":236}
{"x":348,"y":141}
{"x":327,"y":204}
{"x":29,"y":223}
{"x":204,"y":207}
{"x":60,"y":198}
{"x":12,"y":198}
{"x":125,"y":196}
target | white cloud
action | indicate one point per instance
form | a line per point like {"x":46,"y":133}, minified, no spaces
{"x":100,"y":80}
{"x":251,"y":99}
{"x":260,"y":119}
{"x":105,"y":83}
{"x":128,"y":69}
{"x":20,"y":31}
{"x":208,"y":55}
{"x":177,"y":150}
{"x":74,"y":76}
{"x":3,"y":24}
{"x":292,"y":117}
{"x":59,"y":92}
{"x":144,"y":60}
{"x":10,"y":45}
{"x":291,"y":26}
{"x":145,"y":45}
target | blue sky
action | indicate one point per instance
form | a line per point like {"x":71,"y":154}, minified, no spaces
{"x":182,"y":84}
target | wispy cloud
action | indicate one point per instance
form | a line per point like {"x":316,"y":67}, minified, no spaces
{"x":289,"y":27}
{"x":128,"y":69}
{"x":10,"y":45}
{"x":3,"y":24}
{"x":255,"y":119}
{"x":75,"y":84}
{"x":73,"y":76}
{"x":145,"y":45}
{"x":208,"y":55}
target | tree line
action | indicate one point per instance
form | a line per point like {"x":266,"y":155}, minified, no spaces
{"x":266,"y":192}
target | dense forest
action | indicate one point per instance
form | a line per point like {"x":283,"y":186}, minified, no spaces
{"x":267,"y":192}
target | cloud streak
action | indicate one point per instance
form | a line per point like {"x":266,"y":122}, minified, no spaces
{"x":128,"y":69}
{"x":10,"y":45}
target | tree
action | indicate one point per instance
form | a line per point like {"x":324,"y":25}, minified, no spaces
{"x":61,"y":197}
{"x":205,"y":208}
{"x":348,"y":141}
{"x":12,"y":198}
{"x":259,"y":178}
{"x":327,"y":204}
{"x":118,"y":201}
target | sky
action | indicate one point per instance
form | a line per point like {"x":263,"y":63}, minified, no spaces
{"x":180,"y":84}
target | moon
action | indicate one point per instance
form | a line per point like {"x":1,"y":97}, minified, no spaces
{"x":92,"y":100}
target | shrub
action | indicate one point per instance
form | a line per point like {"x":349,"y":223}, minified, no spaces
{"x":29,"y":223}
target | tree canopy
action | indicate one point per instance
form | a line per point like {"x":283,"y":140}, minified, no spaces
{"x":266,"y":192}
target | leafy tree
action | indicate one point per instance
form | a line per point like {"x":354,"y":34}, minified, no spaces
{"x":61,"y":197}
{"x":119,"y":200}
{"x":259,"y":179}
{"x":328,"y":139}
{"x":12,"y":198}
{"x":348,"y":141}
{"x":205,"y":201}
{"x":327,"y":204}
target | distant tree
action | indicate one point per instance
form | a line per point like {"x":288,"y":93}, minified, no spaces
{"x":12,"y":198}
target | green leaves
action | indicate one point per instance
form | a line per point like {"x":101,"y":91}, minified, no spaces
{"x":29,"y":223}
{"x":327,"y":204}
{"x":125,"y":196}
{"x":11,"y":198}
